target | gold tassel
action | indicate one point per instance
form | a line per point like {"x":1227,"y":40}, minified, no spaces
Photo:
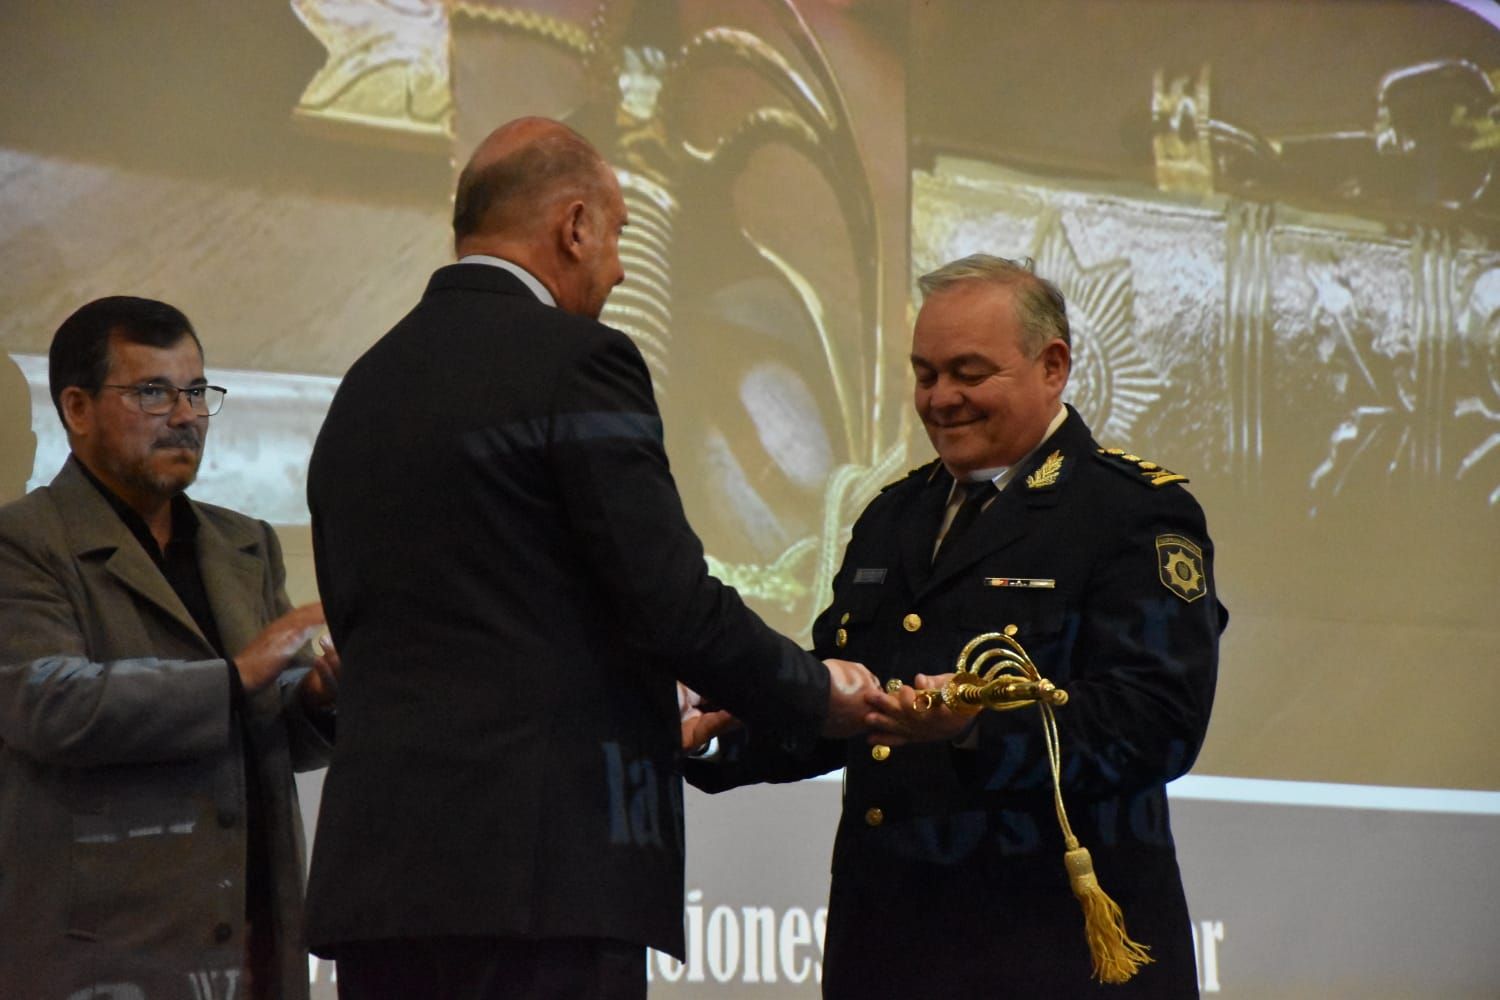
{"x":1116,"y":957}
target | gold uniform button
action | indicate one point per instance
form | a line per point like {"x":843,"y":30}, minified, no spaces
{"x":874,"y":817}
{"x":1011,"y":631}
{"x":844,"y":619}
{"x":880,"y":751}
{"x":911,"y":622}
{"x":841,"y":638}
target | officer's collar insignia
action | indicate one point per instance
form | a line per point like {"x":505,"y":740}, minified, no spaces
{"x":1179,"y":564}
{"x":1046,"y":474}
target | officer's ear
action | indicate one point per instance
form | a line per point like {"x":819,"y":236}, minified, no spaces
{"x":1057,"y":361}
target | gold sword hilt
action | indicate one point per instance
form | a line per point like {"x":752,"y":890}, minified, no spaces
{"x":968,"y":694}
{"x":1012,"y":682}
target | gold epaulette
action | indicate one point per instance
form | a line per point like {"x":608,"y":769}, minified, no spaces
{"x":1145,"y":471}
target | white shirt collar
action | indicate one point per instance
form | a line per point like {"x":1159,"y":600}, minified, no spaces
{"x":1001,"y":475}
{"x":527,"y":278}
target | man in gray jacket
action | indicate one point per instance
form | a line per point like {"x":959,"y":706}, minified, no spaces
{"x":150,"y":838}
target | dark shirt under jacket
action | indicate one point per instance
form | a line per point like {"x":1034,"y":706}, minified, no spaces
{"x":513,"y":587}
{"x":948,"y":877}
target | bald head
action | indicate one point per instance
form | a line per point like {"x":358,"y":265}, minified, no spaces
{"x":537,"y":194}
{"x":519,"y":171}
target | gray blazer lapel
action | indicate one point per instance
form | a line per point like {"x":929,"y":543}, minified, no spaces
{"x":230,"y":562}
{"x":99,"y":537}
{"x":133,"y":568}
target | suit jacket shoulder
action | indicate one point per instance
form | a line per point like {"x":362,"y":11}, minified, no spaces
{"x":30,"y":519}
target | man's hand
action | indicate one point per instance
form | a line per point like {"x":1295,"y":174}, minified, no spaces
{"x":849,"y":684}
{"x":704,"y":726}
{"x":320,"y":688}
{"x":268,"y":654}
{"x":894,"y":721}
{"x":698,"y":726}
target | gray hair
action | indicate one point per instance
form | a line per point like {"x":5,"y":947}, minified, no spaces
{"x":1039,"y":305}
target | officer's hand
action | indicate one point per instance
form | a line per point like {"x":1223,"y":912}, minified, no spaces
{"x":268,"y":654}
{"x":894,"y":720}
{"x":848,"y":684}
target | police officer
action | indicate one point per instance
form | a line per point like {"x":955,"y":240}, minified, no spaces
{"x":948,"y":878}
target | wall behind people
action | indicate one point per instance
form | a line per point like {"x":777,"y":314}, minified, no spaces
{"x":1282,"y":268}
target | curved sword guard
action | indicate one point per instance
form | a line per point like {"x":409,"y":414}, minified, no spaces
{"x":1012,"y":682}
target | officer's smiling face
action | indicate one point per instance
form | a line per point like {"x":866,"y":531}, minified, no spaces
{"x":984,"y":402}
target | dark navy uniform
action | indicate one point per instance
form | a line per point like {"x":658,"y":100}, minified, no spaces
{"x":948,"y":876}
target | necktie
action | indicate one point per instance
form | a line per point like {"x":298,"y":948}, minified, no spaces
{"x":975,"y":495}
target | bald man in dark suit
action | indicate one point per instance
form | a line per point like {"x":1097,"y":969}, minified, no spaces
{"x":515,"y":590}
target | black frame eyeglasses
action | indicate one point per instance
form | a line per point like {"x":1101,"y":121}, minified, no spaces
{"x":157,"y":399}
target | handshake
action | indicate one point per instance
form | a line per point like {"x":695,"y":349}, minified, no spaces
{"x":856,"y":704}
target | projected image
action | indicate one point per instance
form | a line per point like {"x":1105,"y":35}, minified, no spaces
{"x":1283,"y":285}
{"x":764,"y":255}
{"x":737,"y":131}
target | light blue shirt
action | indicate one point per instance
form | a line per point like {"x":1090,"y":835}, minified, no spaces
{"x":527,"y":278}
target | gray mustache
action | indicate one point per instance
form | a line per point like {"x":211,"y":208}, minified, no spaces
{"x":180,"y":439}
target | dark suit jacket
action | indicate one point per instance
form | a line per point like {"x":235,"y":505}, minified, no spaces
{"x":965,"y":865}
{"x":122,"y":771}
{"x":513,"y":587}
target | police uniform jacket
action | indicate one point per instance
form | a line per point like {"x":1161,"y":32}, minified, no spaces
{"x":122,"y":769}
{"x":948,"y":876}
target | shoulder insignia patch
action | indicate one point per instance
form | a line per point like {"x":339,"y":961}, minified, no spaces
{"x":1179,"y":564}
{"x":1145,"y":471}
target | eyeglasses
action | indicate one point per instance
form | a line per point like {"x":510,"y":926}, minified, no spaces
{"x":160,"y":398}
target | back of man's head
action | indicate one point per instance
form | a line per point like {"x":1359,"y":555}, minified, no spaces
{"x":518,"y":172}
{"x":80,"y":349}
